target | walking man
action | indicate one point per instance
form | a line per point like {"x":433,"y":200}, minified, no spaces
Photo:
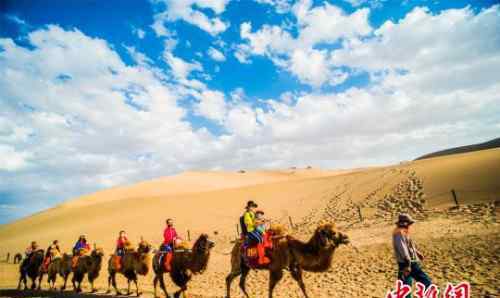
{"x":407,"y":254}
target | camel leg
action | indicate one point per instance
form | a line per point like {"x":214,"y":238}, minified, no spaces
{"x":181,"y":291}
{"x":73,"y":282}
{"x":138,"y":293}
{"x":162,"y":285}
{"x":109,"y":284}
{"x":92,"y":288}
{"x":40,"y":278}
{"x":113,"y":282}
{"x":297,"y":275}
{"x":65,"y":282}
{"x":244,"y":273}
{"x":274,"y":278}
{"x":76,"y":280}
{"x":128,"y":286}
{"x":33,"y":283}
{"x":23,"y":280}
{"x":155,"y":284}
{"x":229,"y":279}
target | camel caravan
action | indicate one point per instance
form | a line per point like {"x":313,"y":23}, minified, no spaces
{"x":262,"y":246}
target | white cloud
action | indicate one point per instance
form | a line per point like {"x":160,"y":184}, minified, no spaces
{"x":211,"y":105}
{"x":186,"y":11}
{"x":455,"y":49}
{"x":158,"y":25}
{"x":281,"y":6}
{"x":16,"y":19}
{"x":72,"y":110}
{"x":325,"y":24}
{"x":328,"y":23}
{"x":182,"y":70}
{"x":311,"y":67}
{"x":138,"y":57}
{"x":139,"y":32}
{"x":216,"y":54}
{"x":356,"y":3}
{"x":12,"y":160}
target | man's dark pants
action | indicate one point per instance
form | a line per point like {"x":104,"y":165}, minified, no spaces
{"x":416,"y":273}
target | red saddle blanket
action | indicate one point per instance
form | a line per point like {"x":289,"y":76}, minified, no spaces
{"x":45,"y":264}
{"x":117,"y":262}
{"x":257,"y":255}
{"x":165,"y":259}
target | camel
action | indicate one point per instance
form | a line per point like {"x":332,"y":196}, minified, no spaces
{"x":17,"y":258}
{"x":53,"y":255}
{"x":59,"y":265}
{"x":90,"y":265}
{"x":134,"y":263}
{"x":291,"y":254}
{"x":30,"y":267}
{"x":185,"y":263}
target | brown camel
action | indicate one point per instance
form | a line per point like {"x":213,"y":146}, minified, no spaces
{"x":53,"y":255}
{"x":291,"y":254}
{"x":17,"y":258}
{"x":90,"y":265}
{"x":185,"y":263}
{"x":59,"y":265}
{"x":133,"y":263}
{"x":30,"y":267}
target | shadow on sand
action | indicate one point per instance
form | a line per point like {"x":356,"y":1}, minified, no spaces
{"x":58,"y":294}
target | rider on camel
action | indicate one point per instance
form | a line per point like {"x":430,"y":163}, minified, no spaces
{"x":120,"y":244}
{"x":29,"y":252}
{"x":170,"y":240}
{"x":81,"y":247}
{"x":52,"y":251}
{"x":252,"y":235}
{"x":254,"y":228}
{"x":170,"y":237}
{"x":31,"y":249}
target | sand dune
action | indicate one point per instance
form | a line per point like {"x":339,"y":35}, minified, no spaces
{"x":212,"y":202}
{"x":495,"y":143}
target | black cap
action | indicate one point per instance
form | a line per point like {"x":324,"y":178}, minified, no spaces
{"x":251,"y":204}
{"x":405,"y":219}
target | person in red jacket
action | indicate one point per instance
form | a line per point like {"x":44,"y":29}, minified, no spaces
{"x":170,"y":237}
{"x":120,"y":244}
{"x":170,"y":240}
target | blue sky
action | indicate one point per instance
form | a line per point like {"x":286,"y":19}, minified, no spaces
{"x":95,"y":94}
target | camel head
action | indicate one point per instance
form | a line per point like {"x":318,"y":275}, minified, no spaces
{"x":201,"y":254}
{"x":97,"y":252}
{"x":327,"y":234}
{"x":203,"y":245}
{"x":144,"y":247}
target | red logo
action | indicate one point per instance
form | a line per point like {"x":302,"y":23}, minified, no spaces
{"x":462,"y":290}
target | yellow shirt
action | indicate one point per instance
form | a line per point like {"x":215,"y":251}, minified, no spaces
{"x":249,"y":219}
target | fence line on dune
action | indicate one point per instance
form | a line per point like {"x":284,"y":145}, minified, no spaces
{"x":491,"y":195}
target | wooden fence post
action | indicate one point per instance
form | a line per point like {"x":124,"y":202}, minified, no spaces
{"x":454,"y":194}
{"x":291,"y":222}
{"x":8,"y":257}
{"x":189,"y":235}
{"x":360,"y":215}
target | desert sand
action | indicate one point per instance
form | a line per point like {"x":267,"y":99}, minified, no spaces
{"x":460,"y":243}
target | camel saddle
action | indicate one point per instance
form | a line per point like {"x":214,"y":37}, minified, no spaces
{"x":165,"y":260}
{"x":45,"y":264}
{"x":117,"y":262}
{"x":257,"y":256}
